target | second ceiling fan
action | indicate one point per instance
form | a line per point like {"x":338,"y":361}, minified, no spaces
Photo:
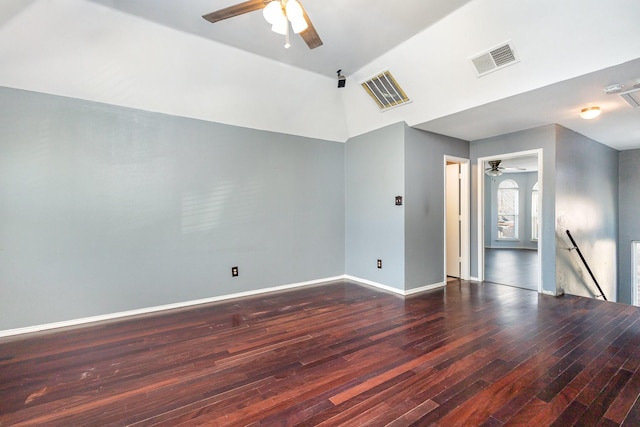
{"x":279,"y":13}
{"x":495,"y":169}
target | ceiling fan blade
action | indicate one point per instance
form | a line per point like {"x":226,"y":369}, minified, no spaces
{"x":235,"y":10}
{"x":310,"y":35}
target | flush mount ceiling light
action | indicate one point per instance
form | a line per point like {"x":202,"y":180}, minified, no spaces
{"x":589,"y":113}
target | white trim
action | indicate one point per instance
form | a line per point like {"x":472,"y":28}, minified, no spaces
{"x":520,"y":248}
{"x":557,"y":293}
{"x":425,"y":288}
{"x":465,"y":209}
{"x":634,"y":272}
{"x":396,"y":290}
{"x":481,"y":208}
{"x":475,"y":279}
{"x":146,"y":310}
{"x":375,"y":284}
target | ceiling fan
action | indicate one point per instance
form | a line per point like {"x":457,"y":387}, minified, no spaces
{"x":495,"y":169}
{"x":279,"y":13}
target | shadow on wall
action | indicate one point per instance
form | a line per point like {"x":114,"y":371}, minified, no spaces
{"x":572,"y":275}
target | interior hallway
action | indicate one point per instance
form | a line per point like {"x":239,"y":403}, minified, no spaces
{"x":513,"y":267}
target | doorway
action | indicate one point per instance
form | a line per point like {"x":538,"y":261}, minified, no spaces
{"x":509,"y":219}
{"x":456,"y":218}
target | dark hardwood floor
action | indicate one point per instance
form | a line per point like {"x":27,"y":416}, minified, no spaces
{"x":513,"y":267}
{"x":339,"y":354}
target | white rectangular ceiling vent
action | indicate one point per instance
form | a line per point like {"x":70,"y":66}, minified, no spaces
{"x":385,"y":91}
{"x":494,"y":59}
{"x":632,"y":96}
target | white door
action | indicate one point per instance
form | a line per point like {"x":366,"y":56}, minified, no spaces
{"x":452,"y":186}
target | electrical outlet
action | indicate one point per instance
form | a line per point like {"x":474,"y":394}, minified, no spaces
{"x":379,"y":263}
{"x":234,"y":271}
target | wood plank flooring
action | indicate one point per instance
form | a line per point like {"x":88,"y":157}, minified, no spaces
{"x":338,"y":354}
{"x":513,"y":267}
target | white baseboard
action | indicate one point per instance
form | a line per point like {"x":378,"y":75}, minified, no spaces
{"x":395,"y":290}
{"x":520,"y":248}
{"x":556,"y":293}
{"x":474,"y":279}
{"x":147,"y":310}
{"x":425,"y":288}
{"x":374,"y":284}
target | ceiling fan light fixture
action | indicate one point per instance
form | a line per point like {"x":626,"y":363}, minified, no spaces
{"x":278,"y":13}
{"x":589,"y":113}
{"x":494,"y":172}
{"x":295,"y":14}
{"x":293,"y":9}
{"x":273,"y":12}
{"x":281,"y":27}
{"x":298,"y":24}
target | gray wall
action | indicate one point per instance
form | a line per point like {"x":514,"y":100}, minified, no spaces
{"x":105,"y":209}
{"x":629,"y":219}
{"x":544,"y":138}
{"x":424,"y":204}
{"x":374,"y":224}
{"x":397,"y":161}
{"x":587,"y":205}
{"x":525,"y":181}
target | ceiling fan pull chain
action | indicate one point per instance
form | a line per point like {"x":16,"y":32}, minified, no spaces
{"x":287,"y":45}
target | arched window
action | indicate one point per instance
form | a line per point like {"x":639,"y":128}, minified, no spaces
{"x":535,"y":210}
{"x":508,"y":210}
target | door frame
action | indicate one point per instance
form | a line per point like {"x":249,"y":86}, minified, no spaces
{"x":465,"y":214}
{"x":635,"y":253}
{"x":481,"y":207}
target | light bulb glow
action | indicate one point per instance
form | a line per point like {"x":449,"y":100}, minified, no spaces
{"x":590,"y":113}
{"x":299,"y":24}
{"x":273,"y":12}
{"x":295,"y":14}
{"x":280,"y":27}
{"x":279,"y":17}
{"x":294,"y":9}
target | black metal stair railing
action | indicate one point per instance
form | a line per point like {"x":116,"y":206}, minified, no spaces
{"x":584,"y":261}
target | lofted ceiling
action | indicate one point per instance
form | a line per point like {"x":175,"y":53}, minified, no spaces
{"x":353,"y":32}
{"x":161,"y":55}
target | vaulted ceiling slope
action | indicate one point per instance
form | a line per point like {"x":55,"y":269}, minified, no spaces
{"x":162,"y":56}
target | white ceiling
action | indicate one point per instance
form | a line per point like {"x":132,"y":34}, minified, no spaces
{"x":618,"y":126}
{"x":129,"y":53}
{"x":353,"y":31}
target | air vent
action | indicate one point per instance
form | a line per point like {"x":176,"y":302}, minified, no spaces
{"x":494,"y":59}
{"x":632,"y":96}
{"x":385,"y":91}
